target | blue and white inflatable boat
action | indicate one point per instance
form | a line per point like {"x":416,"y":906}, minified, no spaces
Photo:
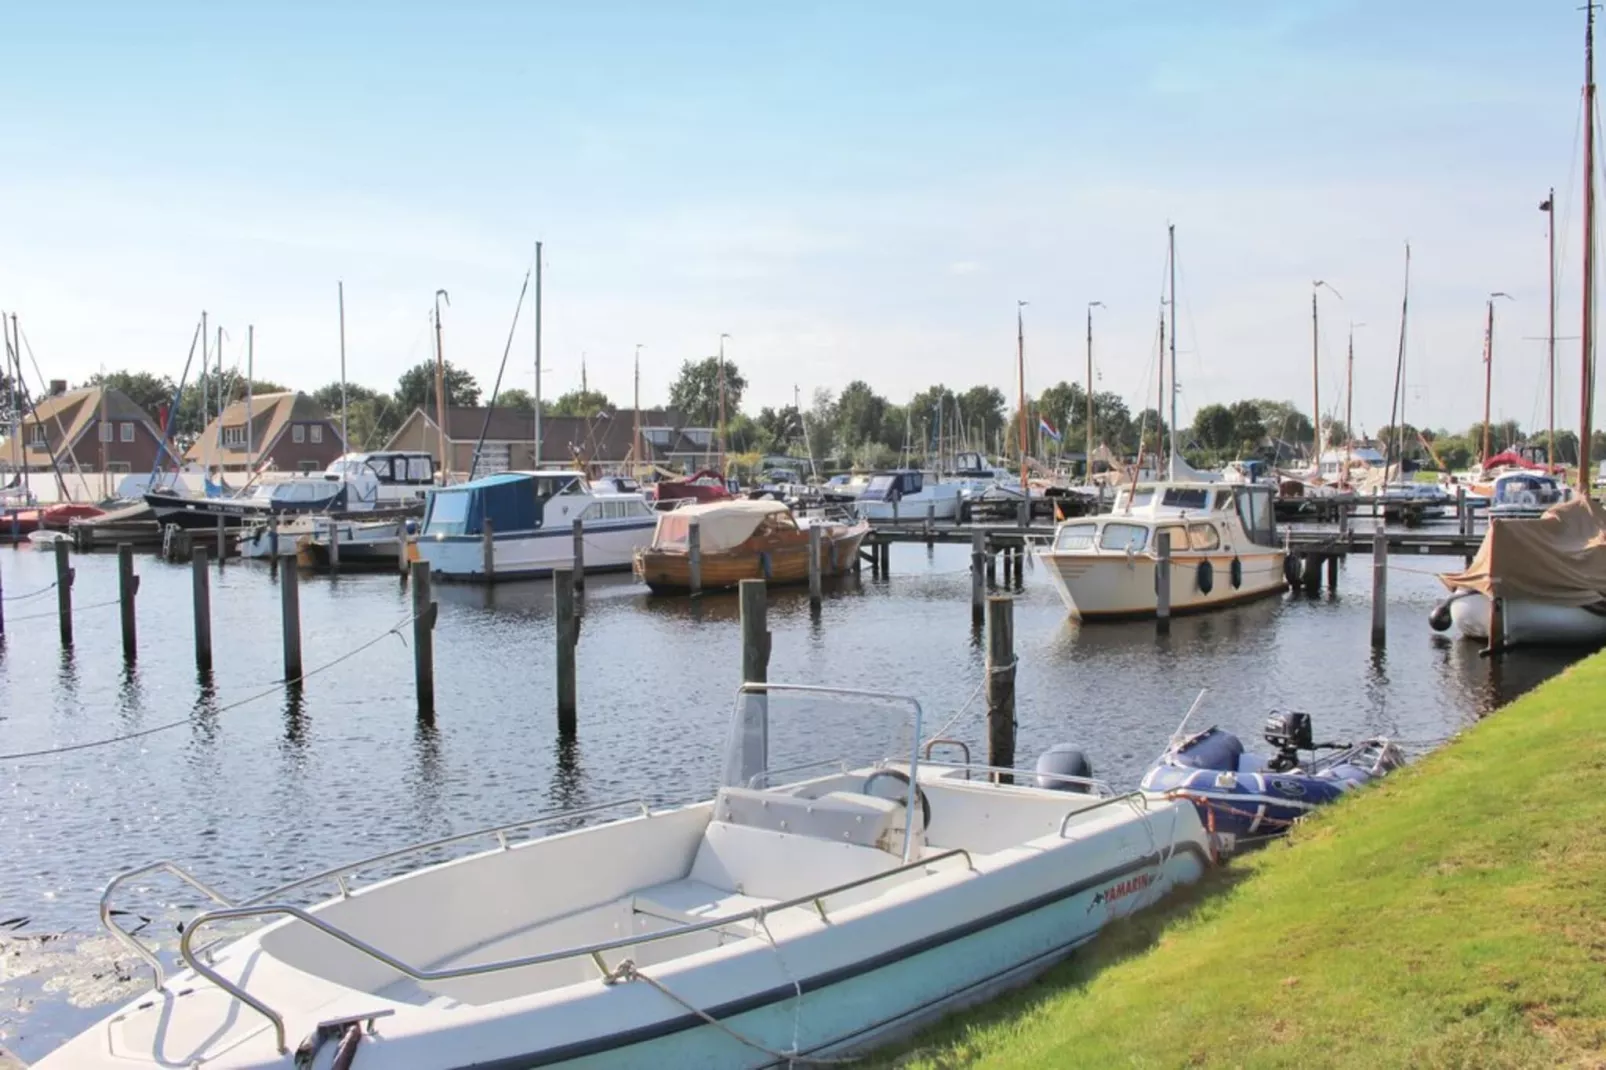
{"x":1250,"y":795}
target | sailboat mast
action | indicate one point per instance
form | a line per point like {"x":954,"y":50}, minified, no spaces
{"x":1159,"y":397}
{"x":1488,"y":374}
{"x":722,"y":338}
{"x":1349,"y":406}
{"x":1087,"y":465}
{"x":345,"y":441}
{"x":1315,"y":384}
{"x":206,"y":388}
{"x":101,"y":433}
{"x":1020,"y":382}
{"x":535,"y":459}
{"x":1549,"y":208}
{"x":1171,"y":257}
{"x":1397,"y":407}
{"x":1587,"y":355}
{"x":440,"y":389}
{"x":250,"y":399}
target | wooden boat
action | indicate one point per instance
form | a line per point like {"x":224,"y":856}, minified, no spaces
{"x":743,"y":540}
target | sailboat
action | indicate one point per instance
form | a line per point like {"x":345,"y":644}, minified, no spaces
{"x":1223,"y":537}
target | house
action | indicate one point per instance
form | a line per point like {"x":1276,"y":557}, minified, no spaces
{"x":90,"y":429}
{"x":598,"y":442}
{"x":285,"y":432}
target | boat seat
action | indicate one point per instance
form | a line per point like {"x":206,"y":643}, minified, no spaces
{"x":779,"y":865}
{"x":839,"y":816}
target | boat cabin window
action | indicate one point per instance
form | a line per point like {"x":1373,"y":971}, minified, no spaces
{"x":1255,"y":511}
{"x":1075,"y":537}
{"x":552,"y":486}
{"x":448,"y":513}
{"x":1223,"y":499}
{"x":1186,"y":498}
{"x":1179,"y":537}
{"x":1128,"y":537}
{"x":1142,"y":497}
{"x":1203,"y":537}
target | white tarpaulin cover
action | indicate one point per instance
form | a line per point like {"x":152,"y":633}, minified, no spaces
{"x":720,"y":525}
{"x":1558,"y":558}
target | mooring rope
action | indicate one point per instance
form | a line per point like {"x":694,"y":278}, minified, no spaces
{"x":51,"y":586}
{"x":56,"y":613}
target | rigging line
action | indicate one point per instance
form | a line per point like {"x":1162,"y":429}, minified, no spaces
{"x":168,"y":726}
{"x":44,"y":385}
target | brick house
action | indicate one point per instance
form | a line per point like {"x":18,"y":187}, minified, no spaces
{"x":599,"y":442}
{"x":89,"y":429}
{"x":287,"y":432}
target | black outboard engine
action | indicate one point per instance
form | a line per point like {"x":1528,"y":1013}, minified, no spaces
{"x":1289,"y":733}
{"x":1063,"y":760}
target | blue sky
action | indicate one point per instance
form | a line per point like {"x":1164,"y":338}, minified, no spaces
{"x":850,"y":190}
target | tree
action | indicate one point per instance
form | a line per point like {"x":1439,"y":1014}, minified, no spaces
{"x":783,"y":426}
{"x":328,"y":395}
{"x":517,"y":399}
{"x":1214,"y":428}
{"x":821,"y":422}
{"x":1247,"y":425}
{"x":1065,"y":405}
{"x":982,"y":408}
{"x":150,"y":392}
{"x":695,"y":392}
{"x":584,"y":403}
{"x":1154,"y":432}
{"x":1282,"y":420}
{"x":416,"y":388}
{"x":859,"y":412}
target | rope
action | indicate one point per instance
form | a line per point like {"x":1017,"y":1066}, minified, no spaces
{"x":279,"y":686}
{"x":996,"y":670}
{"x":51,"y":586}
{"x":55,"y":613}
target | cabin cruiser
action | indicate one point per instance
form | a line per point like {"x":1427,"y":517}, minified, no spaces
{"x":353,"y":483}
{"x":807,"y":912}
{"x":844,"y":488}
{"x":1224,"y":550}
{"x":1524,"y":493}
{"x":907,"y":494}
{"x":529,"y":519}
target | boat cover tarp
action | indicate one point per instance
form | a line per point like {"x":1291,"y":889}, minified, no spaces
{"x":720,"y":525}
{"x":1558,"y":558}
{"x":509,"y":499}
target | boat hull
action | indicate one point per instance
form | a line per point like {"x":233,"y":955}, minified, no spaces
{"x":191,"y":513}
{"x":609,"y":547}
{"x":1528,"y":622}
{"x":940,"y":503}
{"x":669,"y":571}
{"x":1118,"y":587}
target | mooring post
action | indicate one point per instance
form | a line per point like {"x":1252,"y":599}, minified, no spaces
{"x":273,"y":541}
{"x":3,"y":598}
{"x":814,"y":567}
{"x":424,"y":611}
{"x":579,"y":564}
{"x":1311,"y":573}
{"x":488,"y":550}
{"x":401,"y":547}
{"x":64,"y":578}
{"x":1497,"y":626}
{"x":755,"y":670}
{"x":1332,"y":572}
{"x":567,"y":636}
{"x":290,"y":608}
{"x":1345,"y":507}
{"x":992,"y":559}
{"x":127,"y":588}
{"x":1461,"y":515}
{"x":931,"y":517}
{"x":222,"y":541}
{"x":1000,"y":684}
{"x":1023,"y":511}
{"x":694,"y":556}
{"x":201,"y":596}
{"x":334,"y":546}
{"x":978,"y":580}
{"x":886,"y":559}
{"x":1380,"y":585}
{"x":1162,"y":580}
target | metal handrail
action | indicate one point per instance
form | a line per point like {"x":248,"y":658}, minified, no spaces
{"x":1065,"y":821}
{"x":753,"y":781}
{"x":1101,"y":786}
{"x":593,"y":951}
{"x":338,"y":874}
{"x":947,"y":741}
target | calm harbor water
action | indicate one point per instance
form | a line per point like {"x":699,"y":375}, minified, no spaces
{"x":248,"y":794}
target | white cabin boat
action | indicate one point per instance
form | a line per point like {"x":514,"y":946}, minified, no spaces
{"x":1224,"y":550}
{"x":907,"y":494}
{"x":803,"y":920}
{"x":530,"y":517}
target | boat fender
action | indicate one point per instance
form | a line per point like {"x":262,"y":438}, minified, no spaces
{"x":1205,"y":576}
{"x":1439,"y":620}
{"x":1291,"y":571}
{"x":1063,"y":760}
{"x":1236,"y":573}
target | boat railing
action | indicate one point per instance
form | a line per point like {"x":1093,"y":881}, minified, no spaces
{"x":1138,"y":798}
{"x":340,"y":874}
{"x":593,"y":951}
{"x":1101,"y":788}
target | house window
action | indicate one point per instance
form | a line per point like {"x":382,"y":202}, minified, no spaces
{"x":36,"y":436}
{"x":308,"y":466}
{"x":317,"y":433}
{"x":298,"y":433}
{"x":105,"y":431}
{"x":127,"y":432}
{"x":117,"y":467}
{"x":234,"y":437}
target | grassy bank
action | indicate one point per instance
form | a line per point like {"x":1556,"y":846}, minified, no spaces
{"x":1453,"y":917}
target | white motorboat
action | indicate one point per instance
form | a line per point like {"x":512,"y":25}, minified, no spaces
{"x":1224,"y":550}
{"x":1525,"y":621}
{"x":353,"y":483}
{"x":530,"y":517}
{"x":1525,"y":494}
{"x":775,"y":922}
{"x":907,"y":494}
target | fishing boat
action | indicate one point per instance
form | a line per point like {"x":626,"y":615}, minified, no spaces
{"x":909,"y":494}
{"x":744,"y":540}
{"x":1224,"y":551}
{"x":799,"y":914}
{"x":529,"y":519}
{"x":1246,"y":795}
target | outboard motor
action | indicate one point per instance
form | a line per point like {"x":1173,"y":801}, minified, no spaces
{"x":1063,"y":760}
{"x":1290,"y":733}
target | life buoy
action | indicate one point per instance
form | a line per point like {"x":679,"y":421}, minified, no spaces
{"x":1236,"y":573}
{"x":1205,"y":576}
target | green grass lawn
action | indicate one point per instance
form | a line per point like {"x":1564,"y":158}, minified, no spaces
{"x":1454,"y":916}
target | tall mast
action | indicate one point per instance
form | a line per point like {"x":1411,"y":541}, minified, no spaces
{"x":1020,"y":363}
{"x":1549,"y":208}
{"x":1171,"y":258}
{"x":722,"y":338}
{"x":1159,"y":398}
{"x":1349,"y":406}
{"x":1087,"y":465}
{"x":440,"y":389}
{"x":345,"y":442}
{"x":1397,"y":405}
{"x":1315,"y":384}
{"x":101,"y":433}
{"x":250,"y":403}
{"x":535,"y":460}
{"x":797,"y":404}
{"x":206,"y":389}
{"x":1488,"y":377}
{"x":635,"y":440}
{"x":1587,"y":357}
{"x":217,"y":441}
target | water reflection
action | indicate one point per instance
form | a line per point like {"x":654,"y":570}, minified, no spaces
{"x":295,"y":719}
{"x":204,"y":713}
{"x":567,"y":791}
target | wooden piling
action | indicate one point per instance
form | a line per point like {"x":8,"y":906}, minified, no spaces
{"x":1497,"y":626}
{"x":488,"y":550}
{"x":1000,"y":684}
{"x":694,"y":554}
{"x":1332,"y":572}
{"x":334,"y":546}
{"x":580,"y":563}
{"x":1311,"y":573}
{"x":886,"y":559}
{"x":931,"y":518}
{"x":814,"y":568}
{"x":3,"y":599}
{"x":290,"y":611}
{"x":424,"y":611}
{"x":1462,"y":515}
{"x":127,"y":588}
{"x":201,"y":596}
{"x":401,"y":547}
{"x":567,"y":636}
{"x":64,"y":578}
{"x":1023,"y":511}
{"x":992,"y":560}
{"x":978,"y":579}
{"x":273,"y":540}
{"x":1162,"y":580}
{"x":1345,"y":508}
{"x":755,"y":633}
{"x":1380,"y":585}
{"x":222,"y":541}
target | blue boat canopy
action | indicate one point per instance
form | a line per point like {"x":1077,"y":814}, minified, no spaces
{"x":512,"y":500}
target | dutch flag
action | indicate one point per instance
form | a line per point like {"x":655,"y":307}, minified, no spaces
{"x":1048,"y":428}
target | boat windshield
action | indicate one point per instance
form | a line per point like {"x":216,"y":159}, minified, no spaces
{"x":1126,"y":538}
{"x":1075,"y":537}
{"x":1186,"y":498}
{"x":448,"y":512}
